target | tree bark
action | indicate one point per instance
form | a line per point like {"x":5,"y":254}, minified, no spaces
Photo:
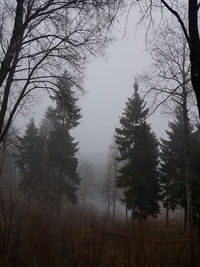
{"x":59,"y":196}
{"x":167,"y":217}
{"x":6,"y":63}
{"x":140,"y":216}
{"x":187,"y":170}
{"x":108,"y":208}
{"x":185,"y":219}
{"x":126,"y":211}
{"x":114,"y":201}
{"x":11,"y":71}
{"x":189,"y":222}
{"x":194,"y":44}
{"x":167,"y":206}
{"x":114,"y":188}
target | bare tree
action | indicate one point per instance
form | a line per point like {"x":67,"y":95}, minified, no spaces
{"x":107,"y":187}
{"x":7,"y":149}
{"x":39,"y":38}
{"x":169,"y":79}
{"x":87,"y":184}
{"x":110,"y":179}
{"x":113,"y":155}
{"x":189,"y":27}
{"x":169,"y":73}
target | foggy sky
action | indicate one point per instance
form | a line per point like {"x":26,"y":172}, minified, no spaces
{"x":108,"y":82}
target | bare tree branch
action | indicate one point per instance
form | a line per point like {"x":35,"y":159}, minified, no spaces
{"x":47,"y":37}
{"x":176,"y":14}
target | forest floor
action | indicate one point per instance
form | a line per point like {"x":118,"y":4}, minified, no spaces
{"x":80,"y":239}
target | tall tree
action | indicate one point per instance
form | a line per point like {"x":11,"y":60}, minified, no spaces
{"x":173,"y":155}
{"x":110,"y":178}
{"x":173,"y":168}
{"x":167,"y":173}
{"x":61,"y":146}
{"x":47,"y":158}
{"x":138,"y":147}
{"x":169,"y":79}
{"x":87,"y":185}
{"x":195,"y":183}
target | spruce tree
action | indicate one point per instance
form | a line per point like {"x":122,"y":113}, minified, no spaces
{"x":29,"y":161}
{"x":138,"y":147}
{"x":167,"y":173}
{"x":61,"y":147}
{"x":47,"y":158}
{"x":173,"y":167}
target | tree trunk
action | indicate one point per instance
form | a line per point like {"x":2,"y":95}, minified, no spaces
{"x":108,"y":211}
{"x":195,"y":77}
{"x":10,"y":61}
{"x":199,"y":233}
{"x":126,"y":211}
{"x":167,"y":207}
{"x":167,"y":216}
{"x":3,"y":156}
{"x":114,"y":201}
{"x":84,"y":193}
{"x":140,"y":217}
{"x":185,"y":219}
{"x":132,"y":215}
{"x":194,"y":44}
{"x":29,"y":195}
{"x":114,"y":185}
{"x":188,"y":178}
{"x":198,"y":223}
{"x":187,"y":161}
{"x":6,"y":63}
{"x":59,"y":195}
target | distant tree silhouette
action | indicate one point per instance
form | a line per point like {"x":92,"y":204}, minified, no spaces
{"x":138,"y":147}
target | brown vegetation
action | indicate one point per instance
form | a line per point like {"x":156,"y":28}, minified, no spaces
{"x":82,"y":238}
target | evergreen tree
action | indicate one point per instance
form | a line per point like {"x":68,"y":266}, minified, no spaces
{"x":173,"y":167}
{"x":47,"y":158}
{"x":61,"y":147}
{"x":167,"y":173}
{"x":29,"y":161}
{"x":138,"y":147}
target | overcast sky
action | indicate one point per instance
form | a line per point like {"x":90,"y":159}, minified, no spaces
{"x":108,"y":82}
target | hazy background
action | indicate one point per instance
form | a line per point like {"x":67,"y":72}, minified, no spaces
{"x":108,"y":83}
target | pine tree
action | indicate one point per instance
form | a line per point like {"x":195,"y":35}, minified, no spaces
{"x":173,"y":167}
{"x":167,"y":173}
{"x":61,"y":146}
{"x":173,"y":163}
{"x":138,"y":147}
{"x":47,"y":158}
{"x":29,"y":161}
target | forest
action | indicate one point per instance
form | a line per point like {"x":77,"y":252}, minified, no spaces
{"x":141,"y":206}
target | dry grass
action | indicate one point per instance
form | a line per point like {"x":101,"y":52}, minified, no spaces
{"x":82,"y":238}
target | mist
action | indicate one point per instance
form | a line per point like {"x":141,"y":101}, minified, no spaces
{"x":99,"y":134}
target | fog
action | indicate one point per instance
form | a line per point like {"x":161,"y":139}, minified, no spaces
{"x":99,"y":133}
{"x":108,"y":83}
